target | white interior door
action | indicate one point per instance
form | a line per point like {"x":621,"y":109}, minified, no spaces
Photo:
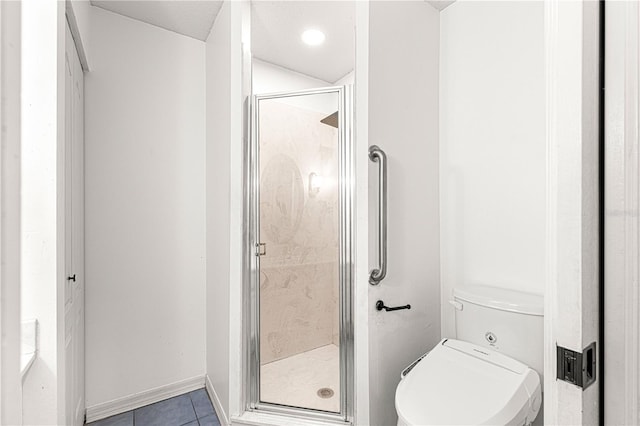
{"x":74,"y":235}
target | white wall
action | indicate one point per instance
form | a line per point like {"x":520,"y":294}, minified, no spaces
{"x":492,"y":148}
{"x":347,"y":79}
{"x":269,"y":78}
{"x":10,"y":91}
{"x":81,"y":12}
{"x":403,"y":121}
{"x":42,"y":207}
{"x":145,"y":204}
{"x":227,"y":85}
{"x":218,"y":135}
{"x":361,"y":227}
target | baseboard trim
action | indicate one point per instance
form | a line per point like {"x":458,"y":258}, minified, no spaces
{"x":222,"y":416}
{"x":140,"y":399}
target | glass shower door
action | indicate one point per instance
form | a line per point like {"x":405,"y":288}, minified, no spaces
{"x":300,"y":152}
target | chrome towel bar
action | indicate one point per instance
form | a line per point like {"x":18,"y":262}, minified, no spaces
{"x":377,"y":274}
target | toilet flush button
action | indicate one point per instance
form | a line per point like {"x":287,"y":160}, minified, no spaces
{"x":491,"y":338}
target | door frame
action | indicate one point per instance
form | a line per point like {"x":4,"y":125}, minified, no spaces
{"x":622,"y":202}
{"x":573,"y":238}
{"x":73,"y":235}
{"x":346,"y":262}
{"x":73,"y":162}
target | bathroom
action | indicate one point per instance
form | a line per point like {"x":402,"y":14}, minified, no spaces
{"x":252,"y":200}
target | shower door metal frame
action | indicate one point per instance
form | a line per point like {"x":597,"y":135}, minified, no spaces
{"x":346,"y":262}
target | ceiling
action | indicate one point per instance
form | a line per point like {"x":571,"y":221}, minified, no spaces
{"x":193,"y":18}
{"x":276,"y":27}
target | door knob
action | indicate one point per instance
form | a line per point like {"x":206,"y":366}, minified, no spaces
{"x":72,"y":278}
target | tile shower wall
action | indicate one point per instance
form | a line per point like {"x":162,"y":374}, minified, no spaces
{"x":299,"y":274}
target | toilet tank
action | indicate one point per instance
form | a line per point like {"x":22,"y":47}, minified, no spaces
{"x":508,"y":321}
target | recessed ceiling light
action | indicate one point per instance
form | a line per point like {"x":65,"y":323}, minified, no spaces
{"x":313,"y":37}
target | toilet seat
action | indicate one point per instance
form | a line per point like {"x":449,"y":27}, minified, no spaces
{"x":464,"y":384}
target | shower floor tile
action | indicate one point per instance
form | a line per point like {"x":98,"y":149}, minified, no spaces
{"x":295,"y":380}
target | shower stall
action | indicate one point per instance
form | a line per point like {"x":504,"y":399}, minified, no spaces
{"x":300,"y":164}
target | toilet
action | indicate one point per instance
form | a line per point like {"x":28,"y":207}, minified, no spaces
{"x":490,"y":374}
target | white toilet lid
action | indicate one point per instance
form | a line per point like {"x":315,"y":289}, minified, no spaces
{"x":465,"y":384}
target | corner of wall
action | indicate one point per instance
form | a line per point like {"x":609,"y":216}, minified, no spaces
{"x":217,"y":404}
{"x":79,"y":18}
{"x":218,"y":174}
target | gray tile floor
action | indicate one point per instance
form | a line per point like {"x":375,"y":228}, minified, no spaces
{"x":191,"y":409}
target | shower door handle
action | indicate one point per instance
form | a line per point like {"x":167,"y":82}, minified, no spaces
{"x":261,"y":249}
{"x":377,"y":274}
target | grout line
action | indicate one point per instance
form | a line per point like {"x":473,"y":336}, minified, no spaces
{"x":133,"y":412}
{"x":194,"y":409}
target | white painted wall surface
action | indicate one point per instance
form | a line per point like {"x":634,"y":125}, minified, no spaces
{"x":240,"y":86}
{"x":361,"y":226}
{"x":218,"y":119}
{"x":492,"y":148}
{"x":227,"y":86}
{"x":403,"y":121}
{"x":82,"y":13}
{"x":270,"y":78}
{"x":10,"y":92}
{"x":145,"y":204}
{"x":42,"y":207}
{"x":347,"y":79}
